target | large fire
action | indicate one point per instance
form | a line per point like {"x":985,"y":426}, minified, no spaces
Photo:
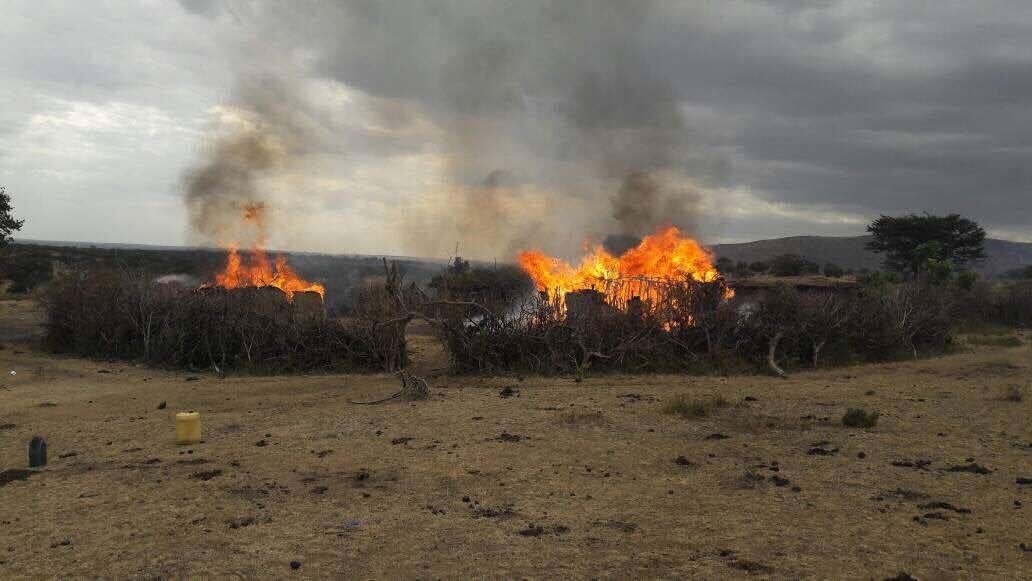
{"x":256,"y":270}
{"x":259,"y":271}
{"x":666,"y":255}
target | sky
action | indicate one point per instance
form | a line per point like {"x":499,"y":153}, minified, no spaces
{"x":492,"y":126}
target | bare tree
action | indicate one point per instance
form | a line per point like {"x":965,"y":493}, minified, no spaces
{"x":823,"y":316}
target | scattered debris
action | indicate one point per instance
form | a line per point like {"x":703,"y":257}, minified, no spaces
{"x":903,"y":493}
{"x":537,"y":531}
{"x":239,"y":523}
{"x":918,"y":464}
{"x":505,"y":511}
{"x":750,"y":566}
{"x":943,"y":506}
{"x":972,"y":468}
{"x":206,"y":475}
{"x":507,"y":437}
{"x":14,"y":475}
{"x":402,"y":440}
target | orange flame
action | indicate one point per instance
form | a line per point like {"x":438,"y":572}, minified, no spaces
{"x":258,"y":270}
{"x":665,"y":255}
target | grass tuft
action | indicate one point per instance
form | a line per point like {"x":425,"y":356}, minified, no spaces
{"x":579,"y":418}
{"x":860,"y":418}
{"x":1014,"y":393}
{"x":686,"y":407}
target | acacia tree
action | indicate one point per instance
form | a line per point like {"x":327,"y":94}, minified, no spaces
{"x":8,"y":224}
{"x":911,"y":243}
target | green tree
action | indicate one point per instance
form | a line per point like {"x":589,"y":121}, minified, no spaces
{"x":912,"y":243}
{"x":832,"y":270}
{"x":759,"y":267}
{"x":966,"y":279}
{"x":1019,"y":273}
{"x":8,"y":224}
{"x":792,"y":265}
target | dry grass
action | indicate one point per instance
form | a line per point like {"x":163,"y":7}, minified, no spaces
{"x":999,"y":341}
{"x":432,"y":490}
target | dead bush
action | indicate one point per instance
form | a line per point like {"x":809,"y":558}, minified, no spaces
{"x":108,"y":313}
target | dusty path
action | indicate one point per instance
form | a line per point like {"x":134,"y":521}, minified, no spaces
{"x":472,"y":484}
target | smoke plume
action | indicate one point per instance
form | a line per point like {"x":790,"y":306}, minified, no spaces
{"x":552,"y":119}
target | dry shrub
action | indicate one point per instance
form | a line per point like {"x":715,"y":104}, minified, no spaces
{"x":109,"y":313}
{"x":691,"y":327}
{"x":859,"y":418}
{"x":890,"y":320}
{"x":1013,"y":305}
{"x":1008,"y":304}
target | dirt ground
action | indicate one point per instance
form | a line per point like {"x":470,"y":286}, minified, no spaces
{"x":517,"y":478}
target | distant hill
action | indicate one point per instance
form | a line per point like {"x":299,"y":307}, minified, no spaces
{"x":850,"y":252}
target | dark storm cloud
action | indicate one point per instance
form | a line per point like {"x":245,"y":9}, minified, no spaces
{"x":829,"y":109}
